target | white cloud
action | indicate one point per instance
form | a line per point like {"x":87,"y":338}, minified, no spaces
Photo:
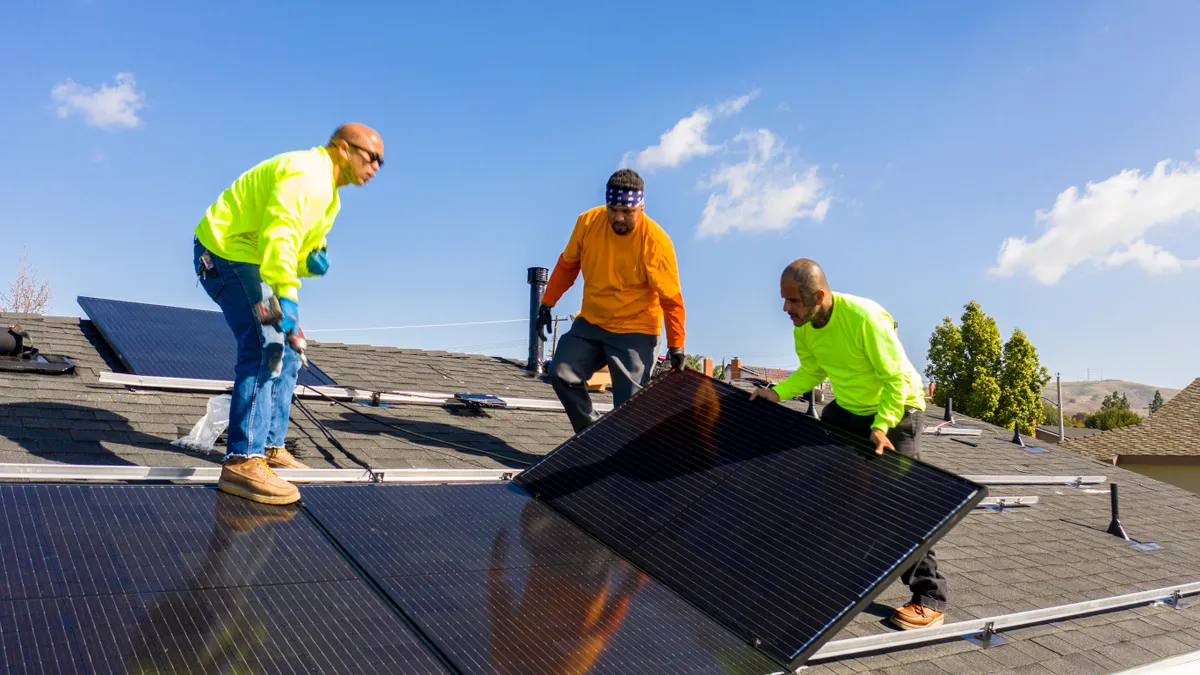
{"x":109,"y":107}
{"x":765,"y":192}
{"x":1106,"y":225}
{"x":1153,"y":259}
{"x":734,"y":105}
{"x":687,"y":139}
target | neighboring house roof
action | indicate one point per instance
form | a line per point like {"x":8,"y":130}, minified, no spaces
{"x":1069,"y":432}
{"x":1051,"y":554}
{"x":1173,"y":431}
{"x":772,"y":375}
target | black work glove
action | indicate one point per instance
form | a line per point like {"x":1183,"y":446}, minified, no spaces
{"x":543,"y":323}
{"x":678,"y":358}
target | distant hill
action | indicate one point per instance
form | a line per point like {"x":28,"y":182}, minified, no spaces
{"x":1087,"y":396}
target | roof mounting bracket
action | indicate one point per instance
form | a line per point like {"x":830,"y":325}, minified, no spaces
{"x":1177,"y":601}
{"x":988,"y":638}
{"x":478,"y":401}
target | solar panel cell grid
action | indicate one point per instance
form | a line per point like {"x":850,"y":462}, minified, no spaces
{"x":99,"y":579}
{"x":503,"y":584}
{"x":750,"y":510}
{"x":165,"y":341}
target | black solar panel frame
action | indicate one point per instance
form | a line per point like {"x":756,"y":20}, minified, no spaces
{"x":99,"y":310}
{"x":327,"y":573}
{"x":368,"y":544}
{"x":852,"y":442}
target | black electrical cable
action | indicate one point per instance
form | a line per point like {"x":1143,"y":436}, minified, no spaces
{"x":328,"y":434}
{"x":410,"y":432}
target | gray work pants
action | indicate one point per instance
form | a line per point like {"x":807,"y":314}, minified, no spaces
{"x":585,"y":349}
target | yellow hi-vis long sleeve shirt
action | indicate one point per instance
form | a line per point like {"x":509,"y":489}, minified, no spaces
{"x":274,"y":215}
{"x":630,"y":281}
{"x":860,"y":353}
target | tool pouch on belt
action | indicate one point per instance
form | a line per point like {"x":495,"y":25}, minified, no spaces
{"x":268,"y":312}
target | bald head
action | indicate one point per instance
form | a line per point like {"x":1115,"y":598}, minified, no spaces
{"x":808,"y":275}
{"x":357,"y":151}
{"x":805,"y":292}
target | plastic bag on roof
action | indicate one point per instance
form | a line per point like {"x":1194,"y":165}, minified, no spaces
{"x":206,"y":431}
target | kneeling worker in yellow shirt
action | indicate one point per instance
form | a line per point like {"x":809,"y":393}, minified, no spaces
{"x":630,"y":284}
{"x":878,"y":395}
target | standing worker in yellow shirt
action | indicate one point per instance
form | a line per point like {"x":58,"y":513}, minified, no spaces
{"x":877,"y":391}
{"x":253,"y":245}
{"x":630,"y":285}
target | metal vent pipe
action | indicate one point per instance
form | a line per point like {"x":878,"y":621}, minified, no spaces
{"x":536,"y":363}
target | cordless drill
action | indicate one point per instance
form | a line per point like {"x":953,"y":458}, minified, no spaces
{"x":268,"y":312}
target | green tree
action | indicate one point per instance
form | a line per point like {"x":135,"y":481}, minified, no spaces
{"x":1112,"y":418}
{"x":982,"y":355}
{"x":993,"y":381}
{"x":1157,"y":403}
{"x":1115,"y":401}
{"x":1079,"y":419}
{"x":1022,"y":378}
{"x":1050,"y":414}
{"x":944,"y":360}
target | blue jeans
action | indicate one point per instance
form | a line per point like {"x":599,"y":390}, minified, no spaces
{"x":264,"y":375}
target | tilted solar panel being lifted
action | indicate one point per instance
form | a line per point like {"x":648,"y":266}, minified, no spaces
{"x":778,"y":527}
{"x":174,"y":341}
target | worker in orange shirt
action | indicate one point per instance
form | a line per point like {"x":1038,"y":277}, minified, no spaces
{"x":630,"y":285}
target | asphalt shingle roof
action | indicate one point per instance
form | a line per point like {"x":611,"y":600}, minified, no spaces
{"x":1172,"y":431}
{"x":1053,"y":553}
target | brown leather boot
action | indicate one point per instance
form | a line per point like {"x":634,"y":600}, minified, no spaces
{"x":913,"y":616}
{"x":280,"y":458}
{"x":251,"y":478}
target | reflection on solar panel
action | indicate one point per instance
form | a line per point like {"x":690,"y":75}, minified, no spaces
{"x":503,"y":584}
{"x":184,"y":579}
{"x":756,"y":513}
{"x":173,"y":341}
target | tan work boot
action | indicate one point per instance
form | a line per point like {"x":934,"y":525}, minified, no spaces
{"x":251,"y":478}
{"x":280,"y":458}
{"x":913,"y":616}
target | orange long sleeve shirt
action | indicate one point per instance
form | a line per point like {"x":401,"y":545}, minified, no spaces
{"x":630,"y":281}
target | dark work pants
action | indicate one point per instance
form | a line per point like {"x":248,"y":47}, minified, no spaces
{"x":587,"y":348}
{"x":928,"y":586}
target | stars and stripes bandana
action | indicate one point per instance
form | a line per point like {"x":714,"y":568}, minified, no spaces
{"x":623,"y":197}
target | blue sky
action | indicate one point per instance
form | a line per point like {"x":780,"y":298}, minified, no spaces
{"x":926,"y":135}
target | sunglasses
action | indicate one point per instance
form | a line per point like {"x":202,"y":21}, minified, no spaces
{"x":371,"y":156}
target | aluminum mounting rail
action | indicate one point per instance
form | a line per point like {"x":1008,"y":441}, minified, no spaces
{"x":1005,"y":502}
{"x":338,"y":393}
{"x":210,"y":474}
{"x":872,"y":643}
{"x":1022,"y":479}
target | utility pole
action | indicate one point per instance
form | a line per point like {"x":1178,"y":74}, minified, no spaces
{"x":554,"y":339}
{"x":1061,"y":429}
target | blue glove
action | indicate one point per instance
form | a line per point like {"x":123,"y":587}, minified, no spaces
{"x":291,"y":316}
{"x":317,"y":263}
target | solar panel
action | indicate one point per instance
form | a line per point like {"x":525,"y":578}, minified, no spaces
{"x":171,"y":578}
{"x":503,"y":584}
{"x":780,"y":528}
{"x":174,"y":341}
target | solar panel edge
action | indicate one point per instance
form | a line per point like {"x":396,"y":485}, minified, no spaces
{"x":312,"y":376}
{"x":808,"y":424}
{"x":378,"y":587}
{"x":103,"y":333}
{"x":802,"y":656}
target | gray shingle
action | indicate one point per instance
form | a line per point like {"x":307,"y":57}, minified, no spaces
{"x":1054,"y":553}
